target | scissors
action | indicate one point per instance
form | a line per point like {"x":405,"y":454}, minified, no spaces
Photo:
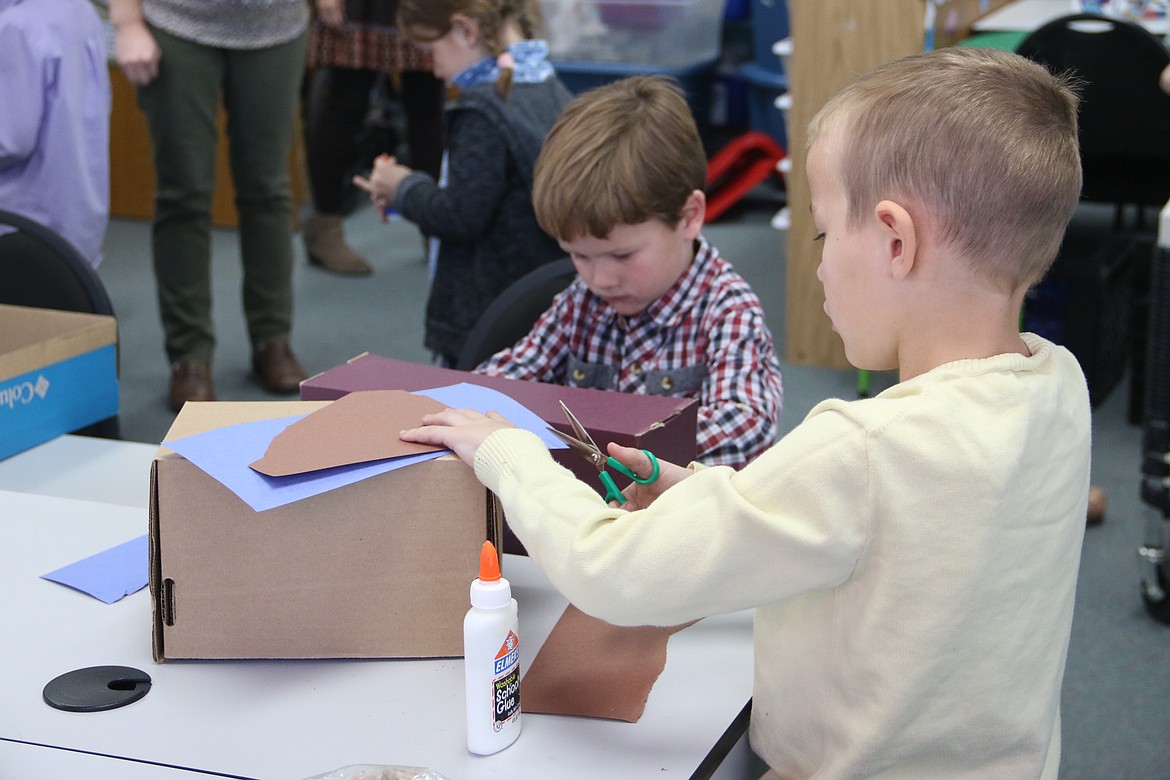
{"x":584,"y":446}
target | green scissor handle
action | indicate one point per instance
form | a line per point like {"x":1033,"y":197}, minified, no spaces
{"x":611,"y":491}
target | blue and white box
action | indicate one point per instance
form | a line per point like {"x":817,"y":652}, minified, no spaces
{"x":58,"y":373}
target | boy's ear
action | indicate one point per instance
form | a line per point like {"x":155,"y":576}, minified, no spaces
{"x":901,"y":236}
{"x":694,"y":211}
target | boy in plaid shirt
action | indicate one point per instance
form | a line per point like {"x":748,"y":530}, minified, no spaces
{"x":654,"y":309}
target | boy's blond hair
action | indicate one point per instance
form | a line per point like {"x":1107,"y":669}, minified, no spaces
{"x":621,"y":154}
{"x":979,"y":144}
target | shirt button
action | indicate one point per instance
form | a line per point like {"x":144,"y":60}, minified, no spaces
{"x":667,"y":383}
{"x":636,"y":369}
{"x":578,"y":375}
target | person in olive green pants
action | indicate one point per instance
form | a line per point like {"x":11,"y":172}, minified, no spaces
{"x":186,"y":61}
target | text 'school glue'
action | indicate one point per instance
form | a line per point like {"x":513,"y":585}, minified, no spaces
{"x":491,"y":660}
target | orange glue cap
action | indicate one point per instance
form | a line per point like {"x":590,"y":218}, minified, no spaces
{"x":489,"y":563}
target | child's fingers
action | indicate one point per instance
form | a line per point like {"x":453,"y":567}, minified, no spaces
{"x":460,"y":430}
{"x":430,"y":434}
{"x":450,"y":417}
{"x":363,"y":183}
{"x":435,"y":427}
{"x":384,"y":161}
{"x":633,"y":459}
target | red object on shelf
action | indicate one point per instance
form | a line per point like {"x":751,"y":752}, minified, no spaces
{"x":738,"y":167}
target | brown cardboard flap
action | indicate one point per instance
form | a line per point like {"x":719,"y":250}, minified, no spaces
{"x":590,"y":668}
{"x":356,"y":428}
{"x":31,"y":338}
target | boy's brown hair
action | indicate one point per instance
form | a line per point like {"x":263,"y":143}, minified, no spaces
{"x":981,"y":145}
{"x":621,"y":154}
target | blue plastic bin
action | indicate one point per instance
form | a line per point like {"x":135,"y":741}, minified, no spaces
{"x":695,"y":80}
{"x":729,"y":100}
{"x":764,"y":86}
{"x":735,"y":10}
{"x":769,"y":24}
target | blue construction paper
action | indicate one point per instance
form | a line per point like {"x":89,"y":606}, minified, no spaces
{"x":226,"y":453}
{"x":483,"y":399}
{"x":109,"y":575}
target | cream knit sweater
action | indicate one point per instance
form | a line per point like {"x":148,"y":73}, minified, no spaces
{"x":912,"y":559}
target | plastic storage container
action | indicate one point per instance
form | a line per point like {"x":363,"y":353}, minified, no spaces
{"x":729,"y":99}
{"x":735,"y":10}
{"x":660,"y":33}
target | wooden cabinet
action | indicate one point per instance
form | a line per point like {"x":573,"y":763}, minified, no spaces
{"x":832,"y":41}
{"x":132,"y":167}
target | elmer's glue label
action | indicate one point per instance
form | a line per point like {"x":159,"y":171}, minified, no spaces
{"x":491,"y":658}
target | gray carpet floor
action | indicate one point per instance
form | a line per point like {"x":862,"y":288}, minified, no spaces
{"x":1116,"y":704}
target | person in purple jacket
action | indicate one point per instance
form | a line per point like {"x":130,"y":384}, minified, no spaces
{"x":55,"y":124}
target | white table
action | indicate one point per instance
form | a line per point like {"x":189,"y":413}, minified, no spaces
{"x":112,"y":472}
{"x":22,"y":761}
{"x":1028,"y":15}
{"x":291,"y":719}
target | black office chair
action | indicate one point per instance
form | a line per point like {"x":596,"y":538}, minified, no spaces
{"x":40,"y":268}
{"x":1124,"y":115}
{"x":514,"y":311}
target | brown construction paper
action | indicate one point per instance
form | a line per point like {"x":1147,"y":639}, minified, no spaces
{"x":355,"y":428}
{"x":591,"y":668}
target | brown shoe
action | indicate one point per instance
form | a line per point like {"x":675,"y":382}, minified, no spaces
{"x":190,"y":381}
{"x":1097,"y":503}
{"x":326,"y":247}
{"x":277,"y":367}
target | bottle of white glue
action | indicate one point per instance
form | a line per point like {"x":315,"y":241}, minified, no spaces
{"x":491,"y":658}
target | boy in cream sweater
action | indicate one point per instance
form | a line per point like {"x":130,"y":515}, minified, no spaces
{"x":912,"y":557}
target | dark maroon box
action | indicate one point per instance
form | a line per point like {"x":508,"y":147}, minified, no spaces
{"x":663,"y":425}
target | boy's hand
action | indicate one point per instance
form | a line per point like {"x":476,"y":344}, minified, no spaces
{"x":460,"y":430}
{"x":642,"y":496}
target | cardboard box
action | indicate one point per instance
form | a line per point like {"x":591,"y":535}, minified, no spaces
{"x":664,"y":425}
{"x":376,"y":569}
{"x":58,"y":373}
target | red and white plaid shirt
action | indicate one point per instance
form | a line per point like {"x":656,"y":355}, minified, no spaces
{"x":706,"y":338}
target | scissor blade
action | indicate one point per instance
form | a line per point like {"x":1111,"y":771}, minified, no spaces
{"x":586,"y":451}
{"x":579,"y":429}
